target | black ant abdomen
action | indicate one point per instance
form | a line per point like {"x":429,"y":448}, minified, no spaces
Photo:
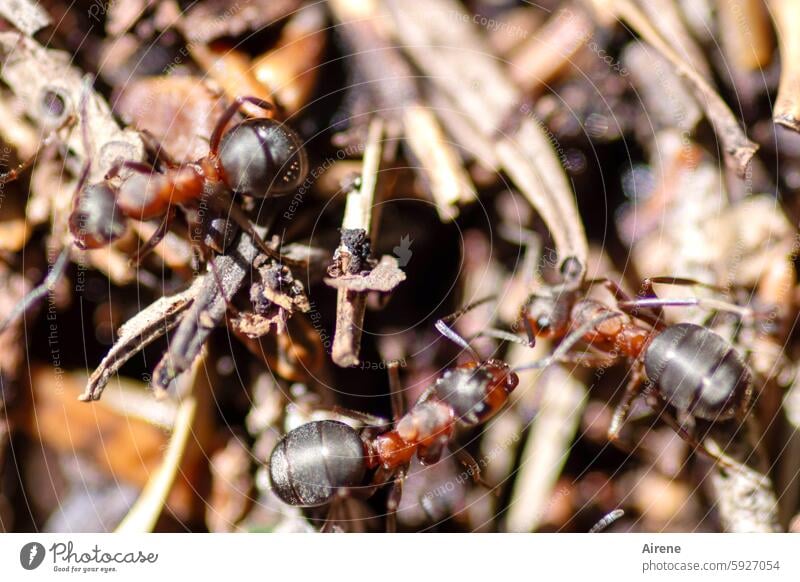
{"x":698,"y":372}
{"x":313,"y":462}
{"x":260,"y":157}
{"x":96,"y":221}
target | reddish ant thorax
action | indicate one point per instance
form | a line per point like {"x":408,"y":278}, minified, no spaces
{"x":471,"y":393}
{"x":557,"y":315}
{"x":617,"y":334}
{"x":148,"y":196}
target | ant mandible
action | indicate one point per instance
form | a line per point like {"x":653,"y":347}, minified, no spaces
{"x":321,"y":461}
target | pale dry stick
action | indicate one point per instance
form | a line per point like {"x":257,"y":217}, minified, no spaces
{"x":789,"y":473}
{"x":667,"y":99}
{"x":737,"y":148}
{"x":29,"y":17}
{"x":358,"y":215}
{"x":667,"y":17}
{"x":786,"y":14}
{"x":745,"y":495}
{"x":746,"y":32}
{"x":472,"y":142}
{"x":391,"y":80}
{"x":544,"y":55}
{"x":15,"y":130}
{"x":444,"y":44}
{"x":51,"y":90}
{"x":144,"y":514}
{"x":450,"y":183}
{"x":562,"y":393}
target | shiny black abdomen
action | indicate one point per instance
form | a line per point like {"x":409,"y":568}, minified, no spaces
{"x":313,"y":462}
{"x":698,"y":372}
{"x":262,"y":157}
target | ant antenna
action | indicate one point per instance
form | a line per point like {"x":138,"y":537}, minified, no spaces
{"x":452,"y":335}
{"x":39,"y":292}
{"x":607,"y":520}
{"x":572,"y":339}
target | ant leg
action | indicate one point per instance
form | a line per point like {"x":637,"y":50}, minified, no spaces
{"x":745,"y":313}
{"x":589,"y":360}
{"x":695,"y":443}
{"x":368,"y":419}
{"x":623,"y":299}
{"x":39,"y":292}
{"x":393,"y":501}
{"x":148,"y":247}
{"x":647,"y":284}
{"x":232,"y":109}
{"x":329,"y":525}
{"x":14,"y":173}
{"x":396,"y":391}
{"x":225,"y":205}
{"x":623,"y":409}
{"x":471,"y":465}
{"x":569,"y":342}
{"x":152,"y":143}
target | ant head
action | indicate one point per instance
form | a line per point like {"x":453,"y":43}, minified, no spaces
{"x":260,"y":157}
{"x":96,"y":221}
{"x":503,"y":377}
{"x":548,"y":314}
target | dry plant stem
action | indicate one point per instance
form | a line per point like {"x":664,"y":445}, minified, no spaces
{"x":206,"y":312}
{"x":351,"y":305}
{"x":540,"y":58}
{"x":667,"y":17}
{"x":144,"y":514}
{"x":562,"y":396}
{"x":138,"y":332}
{"x":790,"y":455}
{"x":27,"y":16}
{"x":746,"y":33}
{"x":449,"y":182}
{"x":392,"y":81}
{"x":15,"y":130}
{"x":745,"y":495}
{"x":738,"y":149}
{"x":787,"y":22}
{"x":445,"y":45}
{"x":35,"y":73}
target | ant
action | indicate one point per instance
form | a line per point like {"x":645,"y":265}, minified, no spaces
{"x":321,"y":461}
{"x":258,"y":157}
{"x":686,"y":366}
